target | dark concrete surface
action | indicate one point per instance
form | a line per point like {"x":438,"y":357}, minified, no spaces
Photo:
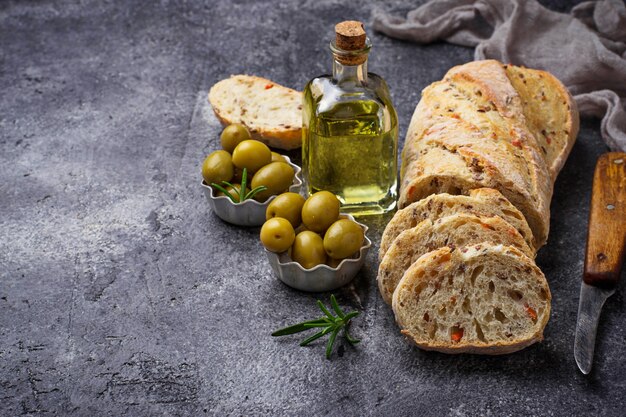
{"x":122,"y":294}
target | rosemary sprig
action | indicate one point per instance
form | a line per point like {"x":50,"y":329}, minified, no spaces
{"x":241,"y":193}
{"x":327,"y":323}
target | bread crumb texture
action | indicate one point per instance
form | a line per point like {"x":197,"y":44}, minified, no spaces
{"x":454,"y":231}
{"x":482,"y":298}
{"x":485,"y":202}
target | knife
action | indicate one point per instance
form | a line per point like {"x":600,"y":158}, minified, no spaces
{"x":606,"y":240}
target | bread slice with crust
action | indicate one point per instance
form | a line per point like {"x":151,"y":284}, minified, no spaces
{"x":481,"y":299}
{"x":271,"y":112}
{"x":485,"y":202}
{"x":456,"y":230}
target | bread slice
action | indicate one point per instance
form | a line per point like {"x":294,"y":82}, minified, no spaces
{"x":482,"y":299}
{"x":272,"y":113}
{"x":456,"y":230}
{"x":486,"y":202}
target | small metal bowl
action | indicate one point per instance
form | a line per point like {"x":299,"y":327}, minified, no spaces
{"x":322,"y":277}
{"x":250,"y":212}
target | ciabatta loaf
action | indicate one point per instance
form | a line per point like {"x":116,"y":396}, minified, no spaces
{"x":485,"y":202}
{"x":478,"y":299}
{"x":271,"y":112}
{"x":517,"y":104}
{"x":456,"y":230}
{"x":476,"y":129}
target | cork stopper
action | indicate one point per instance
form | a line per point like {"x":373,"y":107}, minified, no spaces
{"x":350,"y":36}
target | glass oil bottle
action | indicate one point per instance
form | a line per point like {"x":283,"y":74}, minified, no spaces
{"x":350,"y":129}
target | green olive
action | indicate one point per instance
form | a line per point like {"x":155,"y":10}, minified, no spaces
{"x":277,"y":234}
{"x":276,"y":176}
{"x":276,"y":157}
{"x":233,"y":135}
{"x":288,"y":206}
{"x":308,"y":249}
{"x":217,"y":167}
{"x":320,"y":211}
{"x":234,"y":191}
{"x":343,"y":238}
{"x":251,"y":154}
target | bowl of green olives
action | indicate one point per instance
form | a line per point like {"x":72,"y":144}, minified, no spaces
{"x":240,"y":180}
{"x":310,"y":245}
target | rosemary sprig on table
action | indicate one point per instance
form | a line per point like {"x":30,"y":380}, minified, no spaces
{"x":327,"y":323}
{"x":241,"y":193}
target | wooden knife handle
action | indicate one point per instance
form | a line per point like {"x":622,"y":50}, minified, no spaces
{"x":606,"y":239}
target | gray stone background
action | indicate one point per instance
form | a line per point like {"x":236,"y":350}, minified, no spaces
{"x":122,"y":294}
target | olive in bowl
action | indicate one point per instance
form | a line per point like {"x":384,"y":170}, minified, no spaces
{"x":276,"y":177}
{"x":231,"y":182}
{"x":233,"y":135}
{"x":317,"y":261}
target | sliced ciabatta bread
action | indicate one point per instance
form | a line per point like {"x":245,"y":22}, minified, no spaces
{"x":487,"y":124}
{"x":482,"y":299}
{"x":481,"y":202}
{"x":454,"y":158}
{"x":456,"y":230}
{"x":271,"y":112}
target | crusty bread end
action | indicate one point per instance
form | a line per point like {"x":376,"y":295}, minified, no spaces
{"x":271,"y":112}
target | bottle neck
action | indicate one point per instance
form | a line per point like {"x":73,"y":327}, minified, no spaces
{"x":349,"y":73}
{"x":350,"y":66}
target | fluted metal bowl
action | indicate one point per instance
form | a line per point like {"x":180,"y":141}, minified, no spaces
{"x":249,"y":212}
{"x":322,"y":277}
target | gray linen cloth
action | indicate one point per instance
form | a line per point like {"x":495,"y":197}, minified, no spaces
{"x":586,"y":49}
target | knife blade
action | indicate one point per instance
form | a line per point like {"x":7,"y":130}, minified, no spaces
{"x":591,"y":301}
{"x":606,"y":242}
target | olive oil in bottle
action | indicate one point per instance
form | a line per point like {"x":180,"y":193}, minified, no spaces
{"x":350,"y":129}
